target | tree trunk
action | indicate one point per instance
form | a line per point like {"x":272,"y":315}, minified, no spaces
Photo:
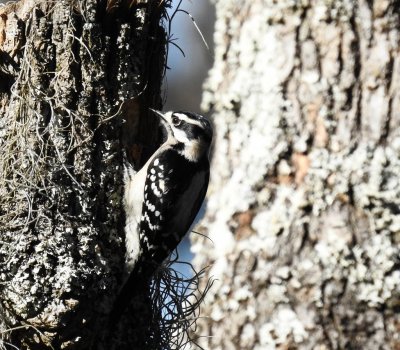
{"x":304,"y":211}
{"x":76,"y":80}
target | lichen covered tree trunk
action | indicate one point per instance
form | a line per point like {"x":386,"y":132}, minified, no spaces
{"x":303,"y":213}
{"x":76,"y":78}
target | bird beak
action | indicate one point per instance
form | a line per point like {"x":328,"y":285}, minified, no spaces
{"x":160,"y":114}
{"x":163,"y":122}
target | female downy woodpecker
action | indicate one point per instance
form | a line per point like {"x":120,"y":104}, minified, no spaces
{"x":164,"y":197}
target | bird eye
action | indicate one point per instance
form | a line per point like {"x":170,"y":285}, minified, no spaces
{"x":176,"y":121}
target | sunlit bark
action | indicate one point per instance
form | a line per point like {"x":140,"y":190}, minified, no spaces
{"x":304,"y":215}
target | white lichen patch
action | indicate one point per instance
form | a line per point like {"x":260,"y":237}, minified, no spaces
{"x":373,"y":276}
{"x":283,"y":327}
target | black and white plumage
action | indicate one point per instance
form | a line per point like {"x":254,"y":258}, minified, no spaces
{"x":162,"y":200}
{"x":164,"y":197}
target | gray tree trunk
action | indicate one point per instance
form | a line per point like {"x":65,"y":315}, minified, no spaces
{"x":304,"y":206}
{"x":76,"y":80}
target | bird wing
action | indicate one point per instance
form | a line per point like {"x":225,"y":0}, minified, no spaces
{"x":174,"y":192}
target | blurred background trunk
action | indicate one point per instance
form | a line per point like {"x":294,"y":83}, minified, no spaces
{"x":65,"y":69}
{"x":304,"y":207}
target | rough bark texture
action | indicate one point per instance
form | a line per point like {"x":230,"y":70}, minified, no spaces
{"x":304,"y":215}
{"x":66,"y":67}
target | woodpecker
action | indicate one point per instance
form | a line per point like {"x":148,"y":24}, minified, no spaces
{"x":162,"y":199}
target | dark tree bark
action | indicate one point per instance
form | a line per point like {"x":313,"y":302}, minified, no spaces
{"x":304,"y":215}
{"x":76,"y":80}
